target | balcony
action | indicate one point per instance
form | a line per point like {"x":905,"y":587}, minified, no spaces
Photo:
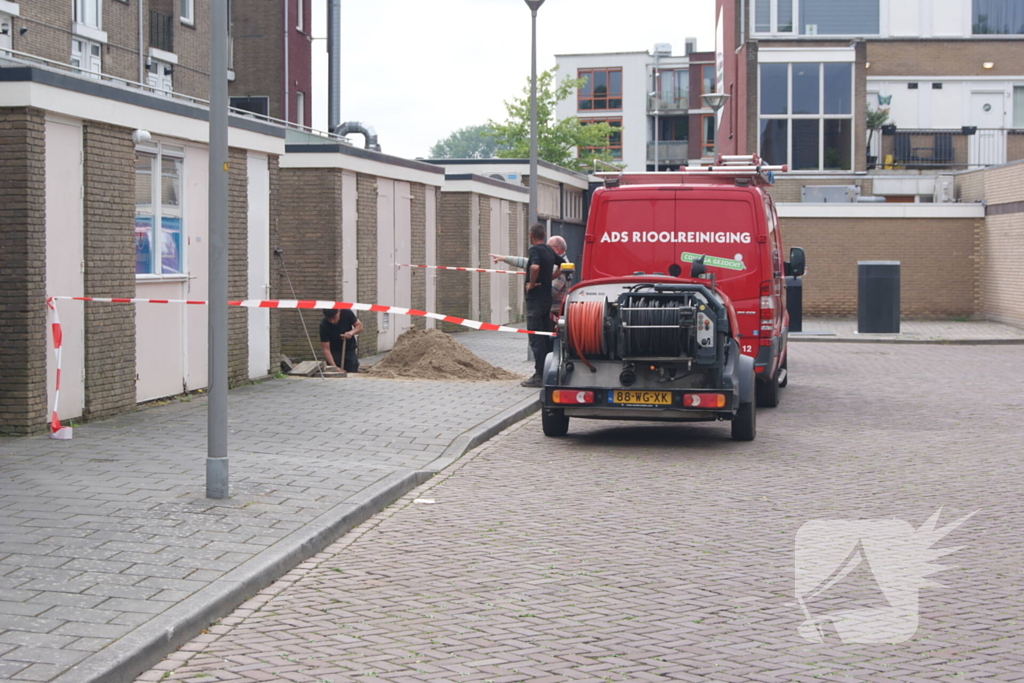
{"x":668,"y":104}
{"x":670,"y":152}
{"x":161,"y":31}
{"x":923,"y":149}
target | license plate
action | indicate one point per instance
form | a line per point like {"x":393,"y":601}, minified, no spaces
{"x":642,"y":398}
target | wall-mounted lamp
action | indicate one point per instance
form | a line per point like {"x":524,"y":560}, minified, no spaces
{"x":141,"y":136}
{"x":5,"y":29}
{"x":23,"y":30}
{"x":168,"y":70}
{"x":988,"y":65}
{"x":867,"y":65}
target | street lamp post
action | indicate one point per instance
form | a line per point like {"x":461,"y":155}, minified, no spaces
{"x":534,"y":5}
{"x":715,"y":101}
{"x":657,"y":103}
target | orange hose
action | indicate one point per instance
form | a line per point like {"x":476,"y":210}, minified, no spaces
{"x":586,"y":328}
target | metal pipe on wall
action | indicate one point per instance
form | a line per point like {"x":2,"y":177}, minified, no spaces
{"x":287,"y":72}
{"x":333,"y":64}
{"x":142,"y":45}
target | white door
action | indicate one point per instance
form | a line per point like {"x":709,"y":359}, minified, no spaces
{"x":431,"y":241}
{"x":64,"y":260}
{"x":500,"y":283}
{"x":259,"y":264}
{"x":349,"y":262}
{"x":385,"y":262}
{"x":988,"y":145}
{"x":403,"y":254}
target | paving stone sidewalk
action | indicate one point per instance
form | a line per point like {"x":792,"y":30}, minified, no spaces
{"x":108,"y":543}
{"x":913,"y":331}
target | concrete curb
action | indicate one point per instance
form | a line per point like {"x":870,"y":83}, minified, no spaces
{"x":142,"y":648}
{"x":471,"y":438}
{"x":935,"y":342}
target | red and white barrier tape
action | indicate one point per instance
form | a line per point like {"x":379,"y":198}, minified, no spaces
{"x":470,"y":270}
{"x":309,"y":304}
{"x":56,"y":431}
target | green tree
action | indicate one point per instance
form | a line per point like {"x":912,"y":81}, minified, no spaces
{"x":557,"y":141}
{"x":471,"y":142}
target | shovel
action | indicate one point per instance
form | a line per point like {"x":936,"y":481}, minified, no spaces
{"x":338,"y":373}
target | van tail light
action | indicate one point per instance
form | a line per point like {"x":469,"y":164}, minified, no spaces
{"x":564,"y":397}
{"x":767,"y":314}
{"x":704,"y":400}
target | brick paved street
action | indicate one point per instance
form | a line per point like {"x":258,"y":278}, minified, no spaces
{"x":656,"y":552}
{"x":108,"y":543}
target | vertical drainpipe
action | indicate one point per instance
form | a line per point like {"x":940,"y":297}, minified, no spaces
{"x":142,"y":46}
{"x":287,"y":73}
{"x":333,"y":64}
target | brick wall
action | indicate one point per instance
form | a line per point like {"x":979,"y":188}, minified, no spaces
{"x":238,"y":265}
{"x":309,"y":236}
{"x":420,"y":276}
{"x":945,"y":57}
{"x":109,"y":179}
{"x":940,"y":263}
{"x":259,"y":57}
{"x":366,"y":250}
{"x":22,"y":270}
{"x":454,"y":221}
{"x":1001,"y":276}
{"x":49,"y":36}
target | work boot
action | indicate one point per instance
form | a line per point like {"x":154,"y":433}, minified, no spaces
{"x":533,"y":383}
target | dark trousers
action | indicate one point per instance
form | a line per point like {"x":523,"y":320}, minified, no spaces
{"x":351,"y":360}
{"x":538,"y":317}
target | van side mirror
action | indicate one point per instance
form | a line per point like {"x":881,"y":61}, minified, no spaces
{"x":797,"y":263}
{"x":697,"y":267}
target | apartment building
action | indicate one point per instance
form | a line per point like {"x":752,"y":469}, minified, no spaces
{"x":272,"y":59}
{"x":652,"y":99}
{"x":803,"y":75}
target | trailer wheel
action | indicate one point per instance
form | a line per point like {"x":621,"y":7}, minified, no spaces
{"x":555,"y":422}
{"x":768,"y":392}
{"x":744,"y":423}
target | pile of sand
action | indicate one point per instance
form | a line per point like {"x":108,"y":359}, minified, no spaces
{"x":430,"y":354}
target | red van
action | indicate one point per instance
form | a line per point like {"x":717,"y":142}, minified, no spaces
{"x":658,"y":223}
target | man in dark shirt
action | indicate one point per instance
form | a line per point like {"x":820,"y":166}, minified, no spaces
{"x":338,"y":330}
{"x":539,"y":266}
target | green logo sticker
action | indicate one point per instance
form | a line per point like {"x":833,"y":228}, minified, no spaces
{"x":714,"y":261}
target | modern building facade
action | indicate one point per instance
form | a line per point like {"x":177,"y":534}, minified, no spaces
{"x":653,"y":100}
{"x":803,"y":75}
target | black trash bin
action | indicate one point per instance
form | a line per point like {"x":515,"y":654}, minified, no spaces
{"x":878,"y":296}
{"x":795,"y":303}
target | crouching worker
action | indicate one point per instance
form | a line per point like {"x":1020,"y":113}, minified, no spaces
{"x":338,"y":331}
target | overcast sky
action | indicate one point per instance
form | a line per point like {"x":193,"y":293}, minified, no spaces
{"x":417,"y":70}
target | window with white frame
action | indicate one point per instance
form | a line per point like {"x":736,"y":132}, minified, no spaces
{"x":159,"y":246}
{"x":300,"y":107}
{"x":160,"y":76}
{"x":87,"y":13}
{"x":188,"y":11}
{"x":1018,"y":106}
{"x":817,"y":17}
{"x":86,"y":56}
{"x":806,"y":115}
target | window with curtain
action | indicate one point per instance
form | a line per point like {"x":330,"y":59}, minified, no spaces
{"x":806,"y":115}
{"x":998,"y":17}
